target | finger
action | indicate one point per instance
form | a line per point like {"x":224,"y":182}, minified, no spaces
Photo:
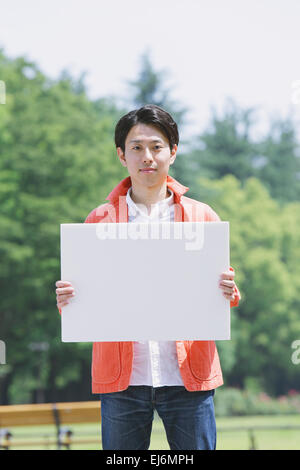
{"x":227,"y":274}
{"x":62,"y":283}
{"x":63,"y":297}
{"x":227,"y":283}
{"x":228,"y":296}
{"x":227,"y":290}
{"x":64,"y":290}
{"x":62,"y":301}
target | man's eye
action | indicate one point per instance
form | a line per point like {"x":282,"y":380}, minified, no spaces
{"x":156,"y":146}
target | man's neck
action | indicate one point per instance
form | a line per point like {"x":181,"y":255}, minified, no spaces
{"x":149,"y":196}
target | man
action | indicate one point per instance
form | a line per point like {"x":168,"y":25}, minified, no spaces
{"x":177,"y":378}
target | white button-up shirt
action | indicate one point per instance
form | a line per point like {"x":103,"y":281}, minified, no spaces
{"x":154,"y":362}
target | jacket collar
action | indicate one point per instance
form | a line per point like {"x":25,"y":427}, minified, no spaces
{"x":122,"y":188}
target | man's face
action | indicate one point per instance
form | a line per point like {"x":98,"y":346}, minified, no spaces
{"x":146,"y":147}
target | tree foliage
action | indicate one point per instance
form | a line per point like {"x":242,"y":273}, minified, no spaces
{"x":57,"y":163}
{"x":265,"y":253}
{"x":228,"y":147}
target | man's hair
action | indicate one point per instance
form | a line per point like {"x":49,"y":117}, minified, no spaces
{"x":149,"y":114}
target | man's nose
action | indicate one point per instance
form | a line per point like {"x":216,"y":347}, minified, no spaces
{"x":147,"y":157}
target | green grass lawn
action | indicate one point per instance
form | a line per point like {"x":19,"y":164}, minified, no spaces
{"x":227,"y":438}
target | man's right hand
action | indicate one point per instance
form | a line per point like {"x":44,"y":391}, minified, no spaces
{"x":64,"y":292}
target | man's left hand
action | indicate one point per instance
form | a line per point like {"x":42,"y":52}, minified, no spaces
{"x":228,"y":285}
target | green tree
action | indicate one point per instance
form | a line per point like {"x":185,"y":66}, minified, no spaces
{"x":57,"y":163}
{"x":149,"y":88}
{"x":278,"y":162}
{"x":226,"y":146}
{"x":265,"y":253}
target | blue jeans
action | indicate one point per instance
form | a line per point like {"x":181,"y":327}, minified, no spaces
{"x":188,"y":418}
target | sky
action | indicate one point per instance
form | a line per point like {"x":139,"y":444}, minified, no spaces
{"x":211,"y":50}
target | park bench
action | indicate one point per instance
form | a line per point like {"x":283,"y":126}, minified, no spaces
{"x":56,"y":414}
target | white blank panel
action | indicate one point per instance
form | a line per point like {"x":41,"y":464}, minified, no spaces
{"x":139,"y":282}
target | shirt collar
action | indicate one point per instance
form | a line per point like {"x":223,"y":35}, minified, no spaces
{"x":122,"y":188}
{"x":160,"y":205}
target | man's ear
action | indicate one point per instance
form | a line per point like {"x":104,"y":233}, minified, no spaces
{"x":121,"y":156}
{"x":173,"y":154}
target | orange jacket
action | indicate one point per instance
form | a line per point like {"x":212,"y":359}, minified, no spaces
{"x":198,"y":361}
